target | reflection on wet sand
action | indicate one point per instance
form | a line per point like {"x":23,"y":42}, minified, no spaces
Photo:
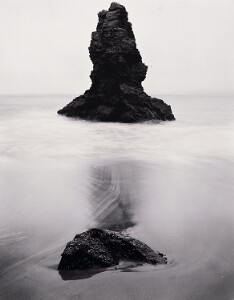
{"x":79,"y":274}
{"x":113,"y":199}
{"x":114,"y":195}
{"x":124,"y":266}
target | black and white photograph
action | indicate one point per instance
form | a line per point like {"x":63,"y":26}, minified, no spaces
{"x":116,"y":150}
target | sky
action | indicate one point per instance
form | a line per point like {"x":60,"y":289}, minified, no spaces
{"x":187,"y":44}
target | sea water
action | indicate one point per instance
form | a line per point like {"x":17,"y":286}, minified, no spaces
{"x":171,"y":185}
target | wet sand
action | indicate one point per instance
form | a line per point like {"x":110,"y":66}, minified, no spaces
{"x":170,"y":186}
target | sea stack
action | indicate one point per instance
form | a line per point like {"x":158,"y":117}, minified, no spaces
{"x":116,"y":93}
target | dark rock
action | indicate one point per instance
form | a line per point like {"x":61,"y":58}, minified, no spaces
{"x":116,"y":93}
{"x":98,"y":248}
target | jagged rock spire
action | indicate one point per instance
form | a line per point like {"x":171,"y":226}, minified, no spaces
{"x":116,"y":93}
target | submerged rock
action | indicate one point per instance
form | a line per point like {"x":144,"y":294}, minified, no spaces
{"x":98,"y":248}
{"x":116,"y":93}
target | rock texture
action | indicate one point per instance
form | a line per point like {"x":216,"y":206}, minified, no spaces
{"x":116,"y":93}
{"x":98,"y":248}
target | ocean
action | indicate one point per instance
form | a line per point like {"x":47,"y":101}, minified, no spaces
{"x":171,"y":185}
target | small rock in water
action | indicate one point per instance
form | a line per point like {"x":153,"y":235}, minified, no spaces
{"x":116,"y":93}
{"x":97,"y":248}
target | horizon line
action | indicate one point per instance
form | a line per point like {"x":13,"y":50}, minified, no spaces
{"x":71,"y":94}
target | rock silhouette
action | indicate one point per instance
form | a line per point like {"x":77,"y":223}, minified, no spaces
{"x":116,"y":93}
{"x":97,"y":248}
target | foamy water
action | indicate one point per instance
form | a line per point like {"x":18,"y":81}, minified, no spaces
{"x":168,"y":184}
